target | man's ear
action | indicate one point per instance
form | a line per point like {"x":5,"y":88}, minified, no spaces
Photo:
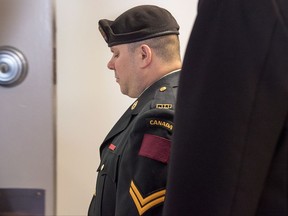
{"x":146,"y":55}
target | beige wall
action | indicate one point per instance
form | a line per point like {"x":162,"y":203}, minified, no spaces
{"x":88,"y":99}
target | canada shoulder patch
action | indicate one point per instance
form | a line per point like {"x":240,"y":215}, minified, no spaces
{"x":160,"y":123}
{"x":155,"y":147}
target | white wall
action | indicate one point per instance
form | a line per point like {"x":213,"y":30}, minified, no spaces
{"x":89,"y":101}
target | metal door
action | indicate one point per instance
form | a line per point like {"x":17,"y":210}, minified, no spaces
{"x":27,"y":105}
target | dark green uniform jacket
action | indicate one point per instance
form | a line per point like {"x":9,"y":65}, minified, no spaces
{"x":134,"y":156}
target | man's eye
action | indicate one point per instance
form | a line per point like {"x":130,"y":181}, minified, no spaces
{"x":116,"y":55}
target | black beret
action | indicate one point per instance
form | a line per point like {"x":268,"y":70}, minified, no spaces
{"x":138,"y":23}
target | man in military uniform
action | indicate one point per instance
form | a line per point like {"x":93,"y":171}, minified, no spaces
{"x":134,"y":156}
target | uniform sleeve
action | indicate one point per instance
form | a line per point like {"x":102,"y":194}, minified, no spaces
{"x":143,"y":170}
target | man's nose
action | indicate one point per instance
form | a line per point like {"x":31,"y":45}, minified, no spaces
{"x":110,"y":65}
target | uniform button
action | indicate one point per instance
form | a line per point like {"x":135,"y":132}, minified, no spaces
{"x":162,"y":89}
{"x":134,"y":105}
{"x":102,"y":167}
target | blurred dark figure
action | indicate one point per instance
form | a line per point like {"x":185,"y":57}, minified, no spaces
{"x":230,"y":150}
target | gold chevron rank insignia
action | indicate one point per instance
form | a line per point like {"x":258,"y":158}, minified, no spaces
{"x":145,"y":203}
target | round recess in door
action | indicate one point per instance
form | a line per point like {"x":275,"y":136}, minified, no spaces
{"x":13,"y":66}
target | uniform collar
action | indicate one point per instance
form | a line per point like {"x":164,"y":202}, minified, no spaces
{"x":174,"y":71}
{"x":149,"y":92}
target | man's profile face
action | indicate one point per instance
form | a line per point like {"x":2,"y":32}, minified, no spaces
{"x":124,"y":64}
